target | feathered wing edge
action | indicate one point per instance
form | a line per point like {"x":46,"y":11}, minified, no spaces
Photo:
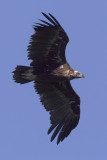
{"x":49,"y":39}
{"x":64,"y":107}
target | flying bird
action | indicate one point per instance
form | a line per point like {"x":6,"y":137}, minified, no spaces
{"x":51,"y":74}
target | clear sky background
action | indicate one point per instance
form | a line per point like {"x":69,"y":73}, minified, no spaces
{"x":23,"y":120}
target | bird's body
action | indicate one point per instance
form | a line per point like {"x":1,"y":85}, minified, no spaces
{"x":51,"y":74}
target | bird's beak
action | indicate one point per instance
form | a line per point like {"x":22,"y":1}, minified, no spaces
{"x":83,"y":76}
{"x":78,"y":74}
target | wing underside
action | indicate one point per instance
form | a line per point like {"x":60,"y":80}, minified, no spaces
{"x":47,"y":45}
{"x":63,"y":104}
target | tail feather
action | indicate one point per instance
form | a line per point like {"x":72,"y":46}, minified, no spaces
{"x":23,"y":74}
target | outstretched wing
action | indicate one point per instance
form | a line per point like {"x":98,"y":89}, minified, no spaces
{"x":63,"y":103}
{"x":47,"y":46}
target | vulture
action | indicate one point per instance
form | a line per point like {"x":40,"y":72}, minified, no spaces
{"x":51,"y":74}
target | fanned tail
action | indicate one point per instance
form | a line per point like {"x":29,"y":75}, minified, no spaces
{"x":23,"y":74}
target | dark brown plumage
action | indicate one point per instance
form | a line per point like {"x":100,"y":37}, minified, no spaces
{"x":51,"y":75}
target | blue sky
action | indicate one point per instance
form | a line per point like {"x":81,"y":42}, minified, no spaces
{"x":23,"y":120}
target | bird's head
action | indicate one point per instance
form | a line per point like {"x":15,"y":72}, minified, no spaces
{"x":78,"y":75}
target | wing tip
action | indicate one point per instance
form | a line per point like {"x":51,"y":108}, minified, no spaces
{"x":49,"y":17}
{"x":43,"y":13}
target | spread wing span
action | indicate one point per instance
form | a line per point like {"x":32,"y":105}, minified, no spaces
{"x":51,"y":75}
{"x":63,"y":103}
{"x":47,"y":45}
